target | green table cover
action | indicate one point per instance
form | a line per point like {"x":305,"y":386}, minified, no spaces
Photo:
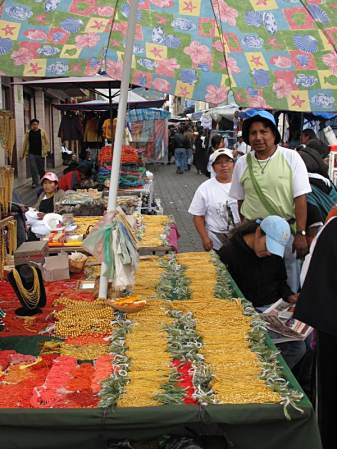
{"x":252,"y":426}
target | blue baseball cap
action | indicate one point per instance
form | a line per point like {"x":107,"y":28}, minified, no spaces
{"x":277,"y":232}
{"x":254,"y":116}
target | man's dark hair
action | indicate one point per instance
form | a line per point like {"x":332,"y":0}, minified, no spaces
{"x":216,"y":140}
{"x":309,"y":133}
{"x":34,"y":120}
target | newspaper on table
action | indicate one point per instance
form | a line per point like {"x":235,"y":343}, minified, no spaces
{"x":281,"y":324}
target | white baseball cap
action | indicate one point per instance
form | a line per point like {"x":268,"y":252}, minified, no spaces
{"x":221,"y":152}
{"x":50,"y":176}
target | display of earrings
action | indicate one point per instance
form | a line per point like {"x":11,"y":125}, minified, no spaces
{"x":6,"y":190}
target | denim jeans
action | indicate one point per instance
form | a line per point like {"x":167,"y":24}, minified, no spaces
{"x":36,"y":168}
{"x":189,"y":156}
{"x":180,"y":156}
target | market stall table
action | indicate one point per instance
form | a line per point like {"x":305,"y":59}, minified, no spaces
{"x":252,"y":415}
{"x":157,"y":234}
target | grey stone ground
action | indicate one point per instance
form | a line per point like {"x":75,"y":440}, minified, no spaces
{"x":175,"y":192}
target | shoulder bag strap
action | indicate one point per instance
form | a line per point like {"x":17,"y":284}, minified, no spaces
{"x":266,"y":204}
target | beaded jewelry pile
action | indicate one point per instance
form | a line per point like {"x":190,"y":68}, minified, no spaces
{"x":192,"y":344}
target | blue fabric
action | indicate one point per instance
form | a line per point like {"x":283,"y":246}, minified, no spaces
{"x":135,"y":115}
{"x":322,"y":201}
{"x":325,"y":115}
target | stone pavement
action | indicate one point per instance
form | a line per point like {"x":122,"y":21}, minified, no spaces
{"x":176,"y":193}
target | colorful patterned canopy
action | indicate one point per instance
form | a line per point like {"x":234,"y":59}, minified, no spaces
{"x":271,"y":53}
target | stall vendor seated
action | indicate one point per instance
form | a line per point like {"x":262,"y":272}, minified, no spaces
{"x":50,"y":194}
{"x":254,"y":257}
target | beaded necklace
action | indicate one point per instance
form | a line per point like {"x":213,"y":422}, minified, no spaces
{"x":30,"y":297}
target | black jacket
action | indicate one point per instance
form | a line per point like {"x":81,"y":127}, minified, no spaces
{"x":317,"y":303}
{"x":181,"y":141}
{"x":262,"y":280}
{"x":313,"y":160}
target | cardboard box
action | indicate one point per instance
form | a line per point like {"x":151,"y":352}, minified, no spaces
{"x":31,"y":252}
{"x":56,"y":268}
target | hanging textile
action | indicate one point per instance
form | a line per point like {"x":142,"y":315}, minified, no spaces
{"x":7,"y":133}
{"x":70,"y":127}
{"x":151,"y":136}
{"x":91,"y":131}
{"x":135,"y":115}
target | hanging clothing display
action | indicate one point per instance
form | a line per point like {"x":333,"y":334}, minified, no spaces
{"x":91,"y":131}
{"x":106,"y":128}
{"x":70,"y":127}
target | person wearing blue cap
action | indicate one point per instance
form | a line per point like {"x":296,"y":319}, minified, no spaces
{"x":273,"y":180}
{"x":253,"y":256}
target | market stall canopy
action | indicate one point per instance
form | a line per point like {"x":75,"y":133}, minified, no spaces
{"x":73,"y":82}
{"x":269,"y":53}
{"x":135,"y":101}
{"x":325,"y":116}
{"x":179,"y":119}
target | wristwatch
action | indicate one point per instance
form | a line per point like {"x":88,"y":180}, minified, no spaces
{"x":303,"y":233}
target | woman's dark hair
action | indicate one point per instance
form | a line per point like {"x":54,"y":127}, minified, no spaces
{"x":72,"y":166}
{"x":245,"y":228}
{"x":313,"y":161}
{"x":216,"y":140}
{"x":309,"y":133}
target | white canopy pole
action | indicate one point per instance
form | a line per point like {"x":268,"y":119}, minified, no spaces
{"x":119,"y":135}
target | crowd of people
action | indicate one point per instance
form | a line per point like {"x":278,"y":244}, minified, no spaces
{"x":263,"y":212}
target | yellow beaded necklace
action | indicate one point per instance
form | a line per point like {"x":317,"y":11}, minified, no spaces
{"x":30,"y":297}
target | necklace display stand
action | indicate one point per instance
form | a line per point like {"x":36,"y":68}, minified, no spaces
{"x":28,"y":285}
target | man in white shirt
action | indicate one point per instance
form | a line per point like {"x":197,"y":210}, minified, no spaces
{"x":273,"y":180}
{"x":240,"y":148}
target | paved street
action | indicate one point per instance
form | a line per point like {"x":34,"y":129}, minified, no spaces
{"x":176,"y":193}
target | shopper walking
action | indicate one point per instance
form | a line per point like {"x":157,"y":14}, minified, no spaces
{"x":36,"y":147}
{"x":190,"y":136}
{"x":273,"y":180}
{"x":200,"y":149}
{"x":181,"y":144}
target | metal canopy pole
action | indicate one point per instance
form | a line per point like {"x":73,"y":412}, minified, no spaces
{"x":123,"y":99}
{"x":110,"y":113}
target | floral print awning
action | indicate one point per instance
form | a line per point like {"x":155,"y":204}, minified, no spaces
{"x":271,"y":53}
